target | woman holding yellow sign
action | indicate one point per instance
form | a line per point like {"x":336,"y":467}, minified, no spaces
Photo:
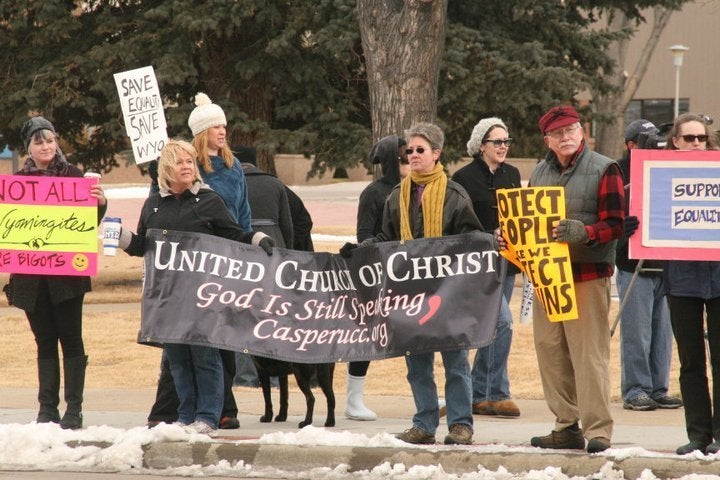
{"x":489,"y":145}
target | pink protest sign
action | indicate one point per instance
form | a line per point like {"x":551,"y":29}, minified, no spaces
{"x":48,"y":225}
{"x":676,"y":196}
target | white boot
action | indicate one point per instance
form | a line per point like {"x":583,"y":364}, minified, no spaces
{"x":356,"y":409}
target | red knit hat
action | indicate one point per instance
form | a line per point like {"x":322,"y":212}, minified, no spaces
{"x":558,"y":117}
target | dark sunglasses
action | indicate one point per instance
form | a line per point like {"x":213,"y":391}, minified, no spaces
{"x":691,"y":138}
{"x":497,"y":143}
{"x":420,"y":150}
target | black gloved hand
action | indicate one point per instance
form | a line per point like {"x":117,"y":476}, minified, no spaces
{"x":631,"y":224}
{"x":346,"y":250}
{"x":267,"y":244}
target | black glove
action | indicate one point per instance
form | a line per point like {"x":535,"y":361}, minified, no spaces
{"x":631,"y":224}
{"x":346,"y":250}
{"x":267,"y":244}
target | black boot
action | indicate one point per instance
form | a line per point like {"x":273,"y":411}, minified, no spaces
{"x":49,"y":390}
{"x":74,"y":385}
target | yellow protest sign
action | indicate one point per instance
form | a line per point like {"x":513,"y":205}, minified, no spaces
{"x":527,"y":217}
{"x":48,"y":225}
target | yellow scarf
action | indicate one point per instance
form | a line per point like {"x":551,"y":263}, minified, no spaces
{"x":433,"y":199}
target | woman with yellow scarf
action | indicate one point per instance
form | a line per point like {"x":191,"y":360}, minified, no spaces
{"x":427,"y":204}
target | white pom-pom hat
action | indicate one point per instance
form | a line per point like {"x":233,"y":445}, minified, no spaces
{"x":205,"y":115}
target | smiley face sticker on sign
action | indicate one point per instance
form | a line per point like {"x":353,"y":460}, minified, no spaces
{"x":80,"y":262}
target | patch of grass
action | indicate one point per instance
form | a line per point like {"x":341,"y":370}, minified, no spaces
{"x":117,"y":361}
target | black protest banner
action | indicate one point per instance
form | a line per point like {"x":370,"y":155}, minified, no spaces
{"x":527,"y":217}
{"x":388,"y":300}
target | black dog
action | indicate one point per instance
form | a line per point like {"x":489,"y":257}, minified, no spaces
{"x":303,"y":372}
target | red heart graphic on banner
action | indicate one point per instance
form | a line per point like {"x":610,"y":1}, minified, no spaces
{"x":434,"y":304}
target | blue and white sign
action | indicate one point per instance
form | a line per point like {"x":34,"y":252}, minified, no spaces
{"x":676,"y":196}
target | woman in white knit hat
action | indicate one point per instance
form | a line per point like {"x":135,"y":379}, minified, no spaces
{"x":218,"y":166}
{"x":219,"y":169}
{"x":223,"y":172}
{"x":489,"y":145}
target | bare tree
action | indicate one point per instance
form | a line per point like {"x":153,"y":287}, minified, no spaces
{"x":611,"y":106}
{"x":403,"y":43}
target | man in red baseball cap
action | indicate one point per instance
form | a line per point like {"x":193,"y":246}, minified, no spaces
{"x":574,"y":355}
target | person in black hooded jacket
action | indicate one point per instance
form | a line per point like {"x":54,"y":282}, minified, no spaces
{"x":390,"y":166}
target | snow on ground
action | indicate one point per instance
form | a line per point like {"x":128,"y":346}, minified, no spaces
{"x":47,"y":447}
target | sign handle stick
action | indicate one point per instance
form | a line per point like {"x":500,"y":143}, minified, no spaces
{"x":638,"y":269}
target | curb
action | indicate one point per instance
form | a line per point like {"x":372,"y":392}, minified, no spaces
{"x":454,"y":460}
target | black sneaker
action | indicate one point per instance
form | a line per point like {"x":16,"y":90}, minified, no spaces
{"x":229,"y":423}
{"x":640,"y":402}
{"x":571,"y":437}
{"x":666,"y":401}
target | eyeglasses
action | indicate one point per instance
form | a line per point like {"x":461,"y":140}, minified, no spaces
{"x":498,"y":142}
{"x":420,"y":150}
{"x":692,"y":138}
{"x":557,"y":134}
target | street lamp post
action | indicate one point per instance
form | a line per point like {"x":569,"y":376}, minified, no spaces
{"x":677,"y":52}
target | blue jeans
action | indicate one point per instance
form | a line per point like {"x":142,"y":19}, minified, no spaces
{"x":458,"y":389}
{"x":645,"y":336}
{"x":198,"y":375}
{"x":489,"y":371}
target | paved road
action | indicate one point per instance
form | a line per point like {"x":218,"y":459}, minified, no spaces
{"x":329,"y":205}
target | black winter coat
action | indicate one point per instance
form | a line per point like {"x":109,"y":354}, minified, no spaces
{"x":481,"y":184}
{"x":622,"y":261}
{"x":458,"y":215}
{"x":269,"y":205}
{"x":372,"y":199}
{"x":302,"y":223}
{"x":198,"y":210}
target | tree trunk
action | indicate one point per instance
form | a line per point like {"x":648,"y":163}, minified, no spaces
{"x":255,"y":103}
{"x":609,"y":138}
{"x":253,"y":100}
{"x":403,"y":42}
{"x":609,"y":131}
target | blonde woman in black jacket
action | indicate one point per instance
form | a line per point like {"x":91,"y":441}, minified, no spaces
{"x":184,"y":203}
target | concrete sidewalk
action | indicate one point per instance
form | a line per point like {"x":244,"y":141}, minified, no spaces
{"x":498,"y":441}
